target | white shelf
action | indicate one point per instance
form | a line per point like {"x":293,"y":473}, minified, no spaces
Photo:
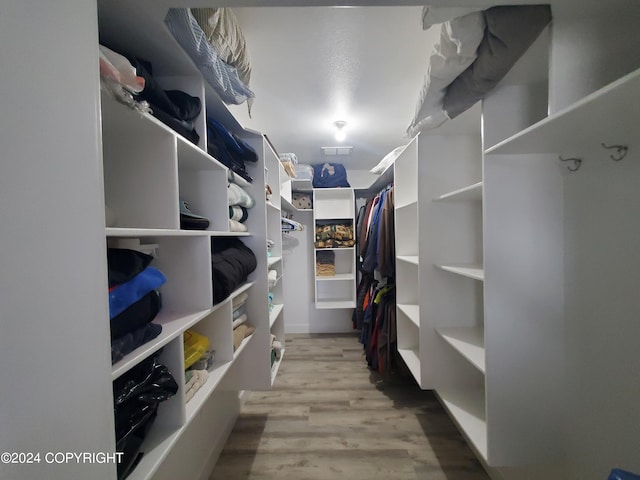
{"x":276,"y":367}
{"x":274,"y":314}
{"x":273,"y":260}
{"x":467,"y":408}
{"x":412,"y":359}
{"x":173,"y":324}
{"x":407,"y":205}
{"x":240,"y":289}
{"x":472,"y":271}
{"x":191,"y":157}
{"x":155,"y":447}
{"x":242,"y":346}
{"x":287,"y":205}
{"x":413,"y":259}
{"x":468,"y":341}
{"x":301,"y":185}
{"x":338,"y":276}
{"x":164,"y":232}
{"x":470,"y":193}
{"x":412,"y":312}
{"x":326,"y":304}
{"x":582,"y":126}
{"x":273,"y":206}
{"x":216,"y":374}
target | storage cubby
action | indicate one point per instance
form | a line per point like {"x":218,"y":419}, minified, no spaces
{"x":335,"y":288}
{"x":203,"y":185}
{"x":139,"y":164}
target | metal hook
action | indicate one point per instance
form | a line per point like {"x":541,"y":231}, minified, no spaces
{"x":576,"y":163}
{"x":621,"y":151}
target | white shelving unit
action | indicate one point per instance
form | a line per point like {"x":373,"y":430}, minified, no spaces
{"x":335,"y":206}
{"x":276,"y":179}
{"x":147,"y":168}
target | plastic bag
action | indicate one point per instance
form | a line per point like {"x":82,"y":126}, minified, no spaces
{"x":136,"y":396}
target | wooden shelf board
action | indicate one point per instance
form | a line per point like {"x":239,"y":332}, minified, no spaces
{"x":467,"y":408}
{"x":472,"y":271}
{"x":468,"y":341}
{"x":580,"y":127}
{"x":470,"y":193}
{"x":173,"y":324}
{"x":274,"y":314}
{"x":412,"y":312}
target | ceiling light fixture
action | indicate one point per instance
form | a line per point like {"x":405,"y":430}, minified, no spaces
{"x":340,"y":133}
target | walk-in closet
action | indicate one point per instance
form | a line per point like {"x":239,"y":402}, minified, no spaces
{"x":308,"y":240}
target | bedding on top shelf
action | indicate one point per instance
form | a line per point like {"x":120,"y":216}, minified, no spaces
{"x":222,"y":29}
{"x":475,"y":52}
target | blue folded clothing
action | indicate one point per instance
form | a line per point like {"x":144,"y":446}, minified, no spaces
{"x":619,"y":474}
{"x":128,"y":293}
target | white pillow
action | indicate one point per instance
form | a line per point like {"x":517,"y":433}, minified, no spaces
{"x":459,"y":41}
{"x":433,"y":15}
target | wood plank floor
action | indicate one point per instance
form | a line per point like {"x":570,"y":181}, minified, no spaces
{"x":328,"y":417}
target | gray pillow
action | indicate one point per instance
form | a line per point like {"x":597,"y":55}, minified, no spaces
{"x":510,"y":31}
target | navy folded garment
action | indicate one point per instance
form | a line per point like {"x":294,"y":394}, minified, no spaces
{"x":129,"y":342}
{"x":136,"y":316}
{"x":329,"y":175}
{"x":124,"y":264}
{"x":130,"y":292}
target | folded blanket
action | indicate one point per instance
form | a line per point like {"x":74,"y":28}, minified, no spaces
{"x":197,"y":378}
{"x":239,"y":321}
{"x":240,"y":333}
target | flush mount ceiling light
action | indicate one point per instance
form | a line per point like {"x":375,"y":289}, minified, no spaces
{"x":340,"y":133}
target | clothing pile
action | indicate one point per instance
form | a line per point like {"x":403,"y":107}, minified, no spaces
{"x":232,"y":262}
{"x":335,"y":235}
{"x":329,"y":175}
{"x":241,"y":329}
{"x":379,"y":330}
{"x":240,"y":201}
{"x":229,"y":149}
{"x":134,"y":300}
{"x":375,"y":227}
{"x":325,"y":263}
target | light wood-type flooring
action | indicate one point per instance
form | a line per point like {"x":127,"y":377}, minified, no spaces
{"x":329,"y":417}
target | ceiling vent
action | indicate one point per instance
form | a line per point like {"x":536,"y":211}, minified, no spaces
{"x":336,"y":151}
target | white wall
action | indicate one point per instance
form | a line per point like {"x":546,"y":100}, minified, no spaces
{"x":54,"y":342}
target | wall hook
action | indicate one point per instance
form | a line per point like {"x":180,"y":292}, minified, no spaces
{"x":621,"y":151}
{"x":576,"y":163}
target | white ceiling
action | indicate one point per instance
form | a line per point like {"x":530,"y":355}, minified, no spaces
{"x":312,"y":66}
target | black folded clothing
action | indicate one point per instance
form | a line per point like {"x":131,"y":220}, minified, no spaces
{"x":137,"y":315}
{"x":124,"y":264}
{"x":232,"y":261}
